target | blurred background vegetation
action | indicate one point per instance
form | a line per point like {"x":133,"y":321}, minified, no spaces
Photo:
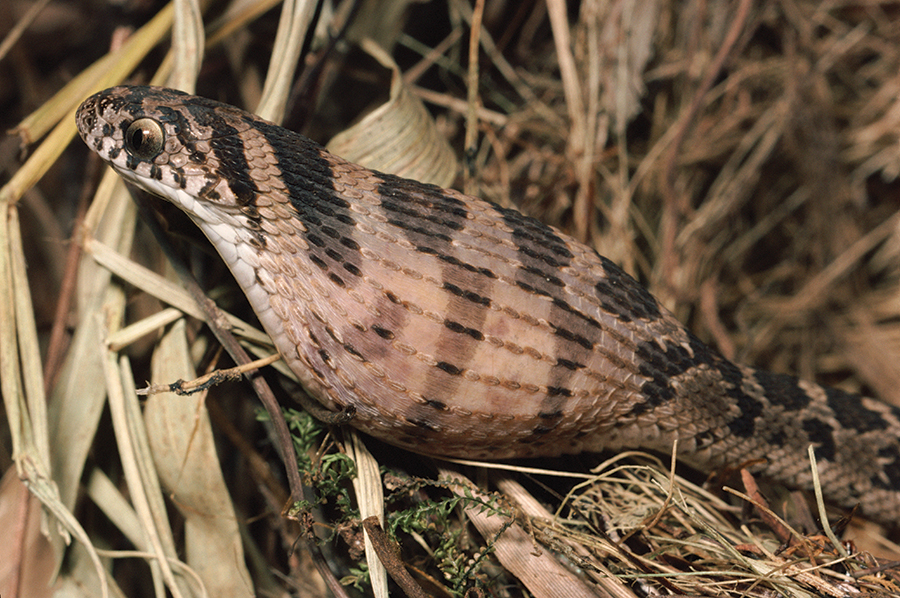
{"x":739,"y":158}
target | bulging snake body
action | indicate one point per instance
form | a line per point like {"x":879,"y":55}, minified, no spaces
{"x":455,"y":327}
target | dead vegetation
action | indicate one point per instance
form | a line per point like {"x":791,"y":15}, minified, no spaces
{"x":739,"y":158}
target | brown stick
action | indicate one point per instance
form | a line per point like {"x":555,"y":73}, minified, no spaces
{"x":389,"y":555}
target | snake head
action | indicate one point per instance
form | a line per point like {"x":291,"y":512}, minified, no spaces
{"x":171,"y":147}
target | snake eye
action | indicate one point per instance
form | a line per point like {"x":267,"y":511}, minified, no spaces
{"x":144,"y":138}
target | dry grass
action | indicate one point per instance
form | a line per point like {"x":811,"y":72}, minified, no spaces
{"x":739,"y":158}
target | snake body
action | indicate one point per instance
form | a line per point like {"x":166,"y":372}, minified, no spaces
{"x":455,"y":327}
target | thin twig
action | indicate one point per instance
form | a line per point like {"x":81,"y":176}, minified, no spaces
{"x":472,"y":99}
{"x":389,"y":554}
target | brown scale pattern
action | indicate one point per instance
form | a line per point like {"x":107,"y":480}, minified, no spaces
{"x":455,"y":327}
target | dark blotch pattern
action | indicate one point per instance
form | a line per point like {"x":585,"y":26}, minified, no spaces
{"x":422,"y":211}
{"x":851,"y":414}
{"x":534,"y":233}
{"x":563,"y":305}
{"x":409,"y":228}
{"x":660,"y":366}
{"x":573,"y":337}
{"x":383,"y":332}
{"x":568,"y":364}
{"x":436,"y":404}
{"x":783,"y":390}
{"x":352,"y":351}
{"x":630,"y":297}
{"x":449,"y":368}
{"x":749,"y":408}
{"x":459,"y":328}
{"x":454,"y":261}
{"x":227,"y":145}
{"x":309,"y":178}
{"x":420,"y":423}
{"x":468,"y":295}
{"x":822,"y":435}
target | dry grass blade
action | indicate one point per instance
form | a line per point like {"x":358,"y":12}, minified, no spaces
{"x":370,"y":495}
{"x":184,"y":453}
{"x":540,"y":571}
{"x":689,"y":543}
{"x":143,"y":485}
{"x":187,"y":44}
{"x":296,"y":16}
{"x":165,"y":290}
{"x":399,"y":136}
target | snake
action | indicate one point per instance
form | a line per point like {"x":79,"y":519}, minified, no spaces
{"x":454,"y":327}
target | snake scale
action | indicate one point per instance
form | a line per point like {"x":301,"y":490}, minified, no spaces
{"x":455,"y":327}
